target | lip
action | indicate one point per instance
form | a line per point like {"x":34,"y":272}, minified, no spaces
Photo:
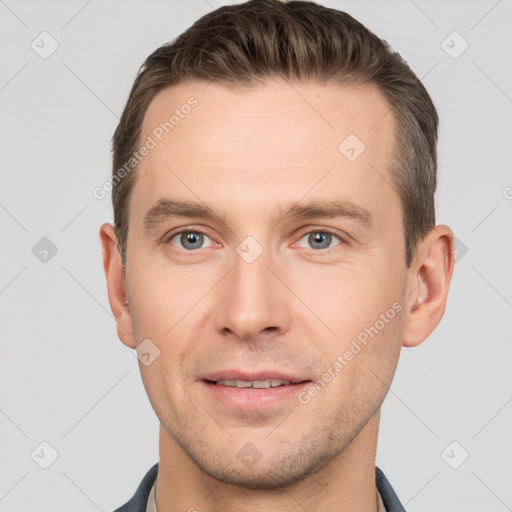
{"x":251,"y":376}
{"x":250,"y":399}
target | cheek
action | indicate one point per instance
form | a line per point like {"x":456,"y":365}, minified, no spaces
{"x":163,"y":297}
{"x":159,"y":313}
{"x":168,"y":307}
{"x":364,"y":307}
{"x":363,"y":361}
{"x":351,"y":298}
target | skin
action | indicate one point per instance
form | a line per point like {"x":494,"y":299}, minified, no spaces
{"x":249,"y":155}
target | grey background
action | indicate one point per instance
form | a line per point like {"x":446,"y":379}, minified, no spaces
{"x":66,"y":379}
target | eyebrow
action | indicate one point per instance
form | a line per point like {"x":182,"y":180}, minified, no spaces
{"x":330,"y":209}
{"x":166,"y":209}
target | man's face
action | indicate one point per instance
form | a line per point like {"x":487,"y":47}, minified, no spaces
{"x":253,"y":294}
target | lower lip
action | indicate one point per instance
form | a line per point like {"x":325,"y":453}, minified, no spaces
{"x":254,"y":398}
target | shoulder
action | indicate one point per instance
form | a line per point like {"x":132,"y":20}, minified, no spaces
{"x":138,"y":502}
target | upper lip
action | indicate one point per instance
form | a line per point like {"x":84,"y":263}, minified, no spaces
{"x":252,"y":376}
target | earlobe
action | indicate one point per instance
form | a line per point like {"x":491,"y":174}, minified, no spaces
{"x":432,"y":271}
{"x":116,"y":284}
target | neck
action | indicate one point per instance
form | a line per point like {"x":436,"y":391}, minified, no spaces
{"x":346,"y":483}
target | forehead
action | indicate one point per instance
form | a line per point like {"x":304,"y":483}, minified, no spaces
{"x":284,"y":135}
{"x":270,"y":121}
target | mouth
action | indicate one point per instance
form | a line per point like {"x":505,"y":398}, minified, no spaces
{"x":239,"y":390}
{"x":254,"y":384}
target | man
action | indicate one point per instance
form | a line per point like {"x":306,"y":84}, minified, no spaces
{"x":274,"y":247}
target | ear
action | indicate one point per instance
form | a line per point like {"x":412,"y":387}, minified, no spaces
{"x":429,"y":280}
{"x":116,"y":284}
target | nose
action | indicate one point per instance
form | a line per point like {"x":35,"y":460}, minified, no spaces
{"x":252,"y":301}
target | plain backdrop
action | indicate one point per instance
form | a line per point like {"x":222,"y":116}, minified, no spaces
{"x":65,"y":378}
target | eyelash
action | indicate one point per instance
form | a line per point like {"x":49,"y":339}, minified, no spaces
{"x":342,"y":239}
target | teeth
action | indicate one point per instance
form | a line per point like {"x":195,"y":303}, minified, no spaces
{"x":258,"y":384}
{"x":277,"y":382}
{"x":261,"y":384}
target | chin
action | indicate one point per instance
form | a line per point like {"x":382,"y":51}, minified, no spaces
{"x":282,"y":471}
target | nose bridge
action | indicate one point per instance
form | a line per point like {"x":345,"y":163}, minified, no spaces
{"x":252,"y":298}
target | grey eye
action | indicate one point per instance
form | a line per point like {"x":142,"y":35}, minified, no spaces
{"x":189,"y":240}
{"x":319,"y":239}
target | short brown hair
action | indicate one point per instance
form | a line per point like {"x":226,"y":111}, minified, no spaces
{"x":242,"y":45}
